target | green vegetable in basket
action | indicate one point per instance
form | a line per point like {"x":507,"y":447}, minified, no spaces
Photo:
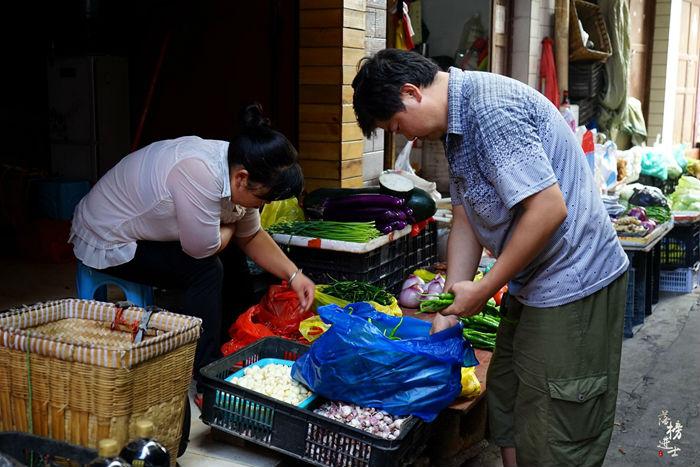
{"x":356,"y":232}
{"x":658,"y":213}
{"x":358,"y":291}
{"x":438,"y":303}
{"x":687,"y":194}
{"x":479,"y":339}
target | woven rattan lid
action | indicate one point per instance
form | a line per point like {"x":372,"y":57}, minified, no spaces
{"x":144,"y":428}
{"x":108,"y":447}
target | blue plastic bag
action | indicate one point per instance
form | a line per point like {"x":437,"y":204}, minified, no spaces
{"x":653,"y":165}
{"x":354,"y":361}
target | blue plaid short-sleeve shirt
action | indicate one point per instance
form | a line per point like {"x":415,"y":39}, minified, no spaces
{"x":505,"y":142}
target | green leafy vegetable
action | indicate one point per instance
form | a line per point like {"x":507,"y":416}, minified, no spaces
{"x":358,"y":291}
{"x":356,"y":232}
{"x":439,"y":303}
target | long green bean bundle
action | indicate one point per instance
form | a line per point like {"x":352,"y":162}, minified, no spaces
{"x":356,"y":232}
{"x":358,"y":291}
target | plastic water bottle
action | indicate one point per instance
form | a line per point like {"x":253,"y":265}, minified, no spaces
{"x":144,"y":451}
{"x":565,"y":109}
{"x":107,"y":455}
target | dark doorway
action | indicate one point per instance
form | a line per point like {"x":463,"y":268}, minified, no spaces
{"x":219,"y":55}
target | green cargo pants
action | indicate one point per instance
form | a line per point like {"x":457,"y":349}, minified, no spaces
{"x":552,"y":380}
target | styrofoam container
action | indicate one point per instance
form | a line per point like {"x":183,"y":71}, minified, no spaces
{"x":268,"y":361}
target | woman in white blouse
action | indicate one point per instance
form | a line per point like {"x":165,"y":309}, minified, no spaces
{"x":161,"y":215}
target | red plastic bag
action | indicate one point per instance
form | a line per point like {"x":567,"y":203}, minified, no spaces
{"x":277,"y":314}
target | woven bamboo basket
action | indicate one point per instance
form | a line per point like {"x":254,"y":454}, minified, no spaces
{"x":66,"y":375}
{"x":594,"y":24}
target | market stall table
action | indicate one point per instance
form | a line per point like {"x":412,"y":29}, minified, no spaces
{"x":643,"y":291}
{"x":459,"y":431}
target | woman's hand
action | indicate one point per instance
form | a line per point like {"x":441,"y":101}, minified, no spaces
{"x":442,"y":322}
{"x":305,"y":288}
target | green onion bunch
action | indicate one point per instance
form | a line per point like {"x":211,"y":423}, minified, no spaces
{"x":356,"y":232}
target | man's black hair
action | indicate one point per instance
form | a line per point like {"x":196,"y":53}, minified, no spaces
{"x":378,"y":82}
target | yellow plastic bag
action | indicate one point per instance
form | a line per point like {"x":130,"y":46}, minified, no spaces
{"x":284,"y":210}
{"x":424,"y":274}
{"x":471,"y":387}
{"x":313,"y":327}
{"x":321,"y":299}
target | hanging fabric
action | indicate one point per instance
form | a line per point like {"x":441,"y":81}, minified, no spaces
{"x":613,"y":118}
{"x":548,"y":73}
{"x":402,"y":26}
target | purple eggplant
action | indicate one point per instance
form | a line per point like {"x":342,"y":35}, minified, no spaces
{"x":386,"y":227}
{"x":366,"y":200}
{"x":359,"y":214}
{"x":383,"y":228}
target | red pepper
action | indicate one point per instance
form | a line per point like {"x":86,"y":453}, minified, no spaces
{"x":499,"y":295}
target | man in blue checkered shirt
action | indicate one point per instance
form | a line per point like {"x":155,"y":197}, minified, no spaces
{"x":521,"y":188}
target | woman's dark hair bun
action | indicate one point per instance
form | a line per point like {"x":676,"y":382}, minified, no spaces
{"x":253,"y":120}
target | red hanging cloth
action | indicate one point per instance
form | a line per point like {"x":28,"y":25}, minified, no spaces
{"x":548,"y":73}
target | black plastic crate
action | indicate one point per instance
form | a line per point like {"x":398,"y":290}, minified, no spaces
{"x":680,"y":248}
{"x":421,"y":250}
{"x":297,"y":432}
{"x":382,"y":266}
{"x":629,"y":304}
{"x":32,"y":449}
{"x":587,"y":79}
{"x":588,"y":109}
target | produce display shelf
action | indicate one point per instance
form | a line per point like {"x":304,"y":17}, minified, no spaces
{"x":647,"y":241}
{"x":295,"y":431}
{"x":685,"y":217}
{"x":380,"y":262}
{"x":337,"y":245}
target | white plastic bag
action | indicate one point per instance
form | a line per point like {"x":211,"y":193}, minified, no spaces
{"x":606,"y":165}
{"x":403,"y":167}
{"x":633,"y":158}
{"x":403,"y":160}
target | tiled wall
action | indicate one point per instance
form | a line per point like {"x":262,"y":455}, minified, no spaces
{"x":533,"y":20}
{"x":375,"y":39}
{"x":659,"y":65}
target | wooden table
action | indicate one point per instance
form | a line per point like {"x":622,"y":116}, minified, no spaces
{"x":458,"y":432}
{"x":644,"y":254}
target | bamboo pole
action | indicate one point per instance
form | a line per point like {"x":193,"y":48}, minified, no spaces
{"x":561,"y":44}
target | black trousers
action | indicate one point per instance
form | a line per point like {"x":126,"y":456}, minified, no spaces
{"x":216,"y":289}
